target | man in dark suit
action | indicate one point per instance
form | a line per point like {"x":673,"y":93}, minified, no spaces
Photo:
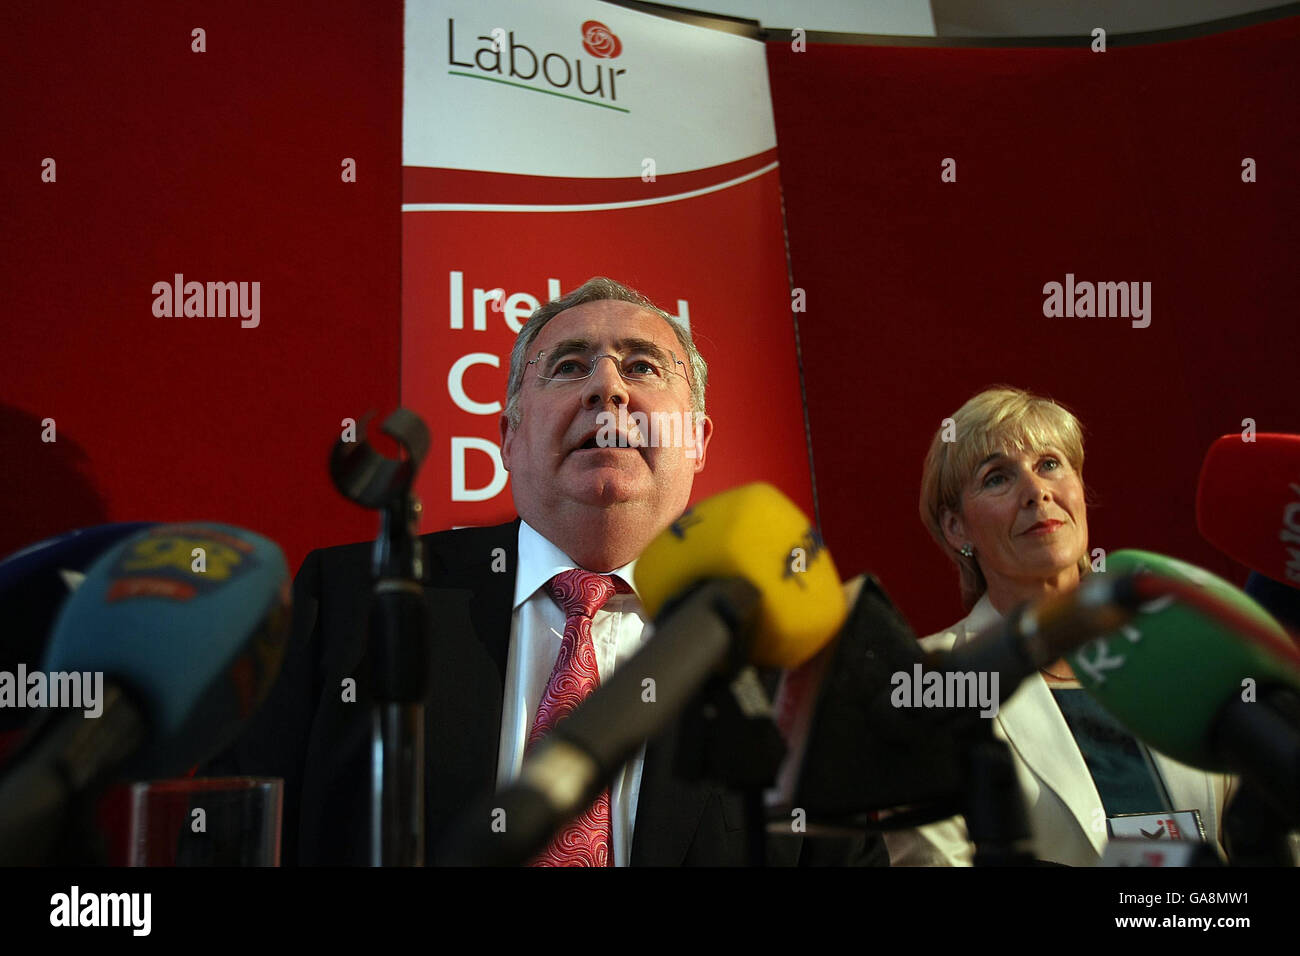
{"x":585,"y":505}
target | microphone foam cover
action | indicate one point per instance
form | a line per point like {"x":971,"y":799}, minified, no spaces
{"x":757,"y":533}
{"x":1166,"y":673}
{"x":177,"y":612}
{"x":1248,"y":503}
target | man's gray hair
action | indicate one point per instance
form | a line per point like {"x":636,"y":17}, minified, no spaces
{"x":598,"y":289}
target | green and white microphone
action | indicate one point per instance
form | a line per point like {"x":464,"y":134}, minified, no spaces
{"x":1203,"y":674}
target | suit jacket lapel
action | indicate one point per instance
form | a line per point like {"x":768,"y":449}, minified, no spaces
{"x":471,"y":610}
{"x":481,"y":562}
{"x":668,"y":810}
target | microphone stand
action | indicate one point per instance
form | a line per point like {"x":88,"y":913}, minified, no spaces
{"x":728,"y":735}
{"x":400,"y":636}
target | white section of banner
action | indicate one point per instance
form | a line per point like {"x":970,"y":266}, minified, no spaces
{"x":520,"y":87}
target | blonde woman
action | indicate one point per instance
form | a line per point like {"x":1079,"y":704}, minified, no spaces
{"x":1005,"y":501}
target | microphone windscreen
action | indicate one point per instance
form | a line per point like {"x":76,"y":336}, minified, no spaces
{"x":192,"y":619}
{"x":1248,"y":503}
{"x":1166,"y":674}
{"x":850,"y":750}
{"x":757,"y":533}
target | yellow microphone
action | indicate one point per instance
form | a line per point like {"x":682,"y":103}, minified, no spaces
{"x":756,"y":533}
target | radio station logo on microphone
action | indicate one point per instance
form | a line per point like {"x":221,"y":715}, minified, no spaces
{"x":683,"y":524}
{"x":178,"y":563}
{"x":584,"y":73}
{"x":1290,"y":535}
{"x":809,"y":548}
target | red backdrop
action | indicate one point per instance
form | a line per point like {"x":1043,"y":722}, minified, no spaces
{"x":226,"y":166}
{"x":1124,"y":165}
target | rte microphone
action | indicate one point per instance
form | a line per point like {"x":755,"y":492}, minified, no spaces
{"x":185,"y":627}
{"x":1248,"y":503}
{"x":740,"y":578}
{"x":1248,"y":506}
{"x":1202,"y":674}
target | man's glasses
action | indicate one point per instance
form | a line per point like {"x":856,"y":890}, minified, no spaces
{"x":639,"y":367}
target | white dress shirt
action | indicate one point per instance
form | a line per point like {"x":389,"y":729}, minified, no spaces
{"x":536,"y":631}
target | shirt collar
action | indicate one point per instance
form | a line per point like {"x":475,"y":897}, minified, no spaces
{"x":540,"y":560}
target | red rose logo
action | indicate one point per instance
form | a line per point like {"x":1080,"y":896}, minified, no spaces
{"x":599,"y":42}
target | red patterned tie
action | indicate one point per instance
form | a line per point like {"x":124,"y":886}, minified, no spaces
{"x":586,"y":840}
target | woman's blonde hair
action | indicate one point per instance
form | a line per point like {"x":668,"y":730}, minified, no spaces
{"x":997,"y":418}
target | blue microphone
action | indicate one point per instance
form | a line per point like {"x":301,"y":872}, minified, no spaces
{"x":184,"y":627}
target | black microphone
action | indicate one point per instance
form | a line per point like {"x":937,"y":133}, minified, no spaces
{"x":1034,"y":635}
